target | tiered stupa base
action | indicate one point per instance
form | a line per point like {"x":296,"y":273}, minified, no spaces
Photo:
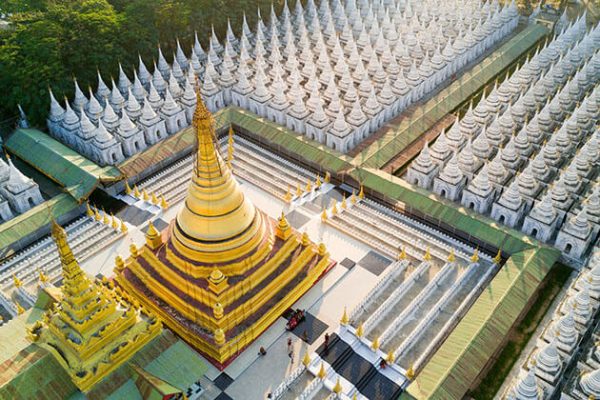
{"x":251,"y":301}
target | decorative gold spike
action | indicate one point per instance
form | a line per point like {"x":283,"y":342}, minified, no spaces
{"x":127,"y":188}
{"x":451,"y":256}
{"x":20,"y":310}
{"x":88,"y":209}
{"x":353,"y":198}
{"x":427,"y":255}
{"x":123,"y":227}
{"x":345,"y":319}
{"x":475,"y":256}
{"x":375,"y":343}
{"x":163,"y":203}
{"x":305,"y":240}
{"x":359,"y":330}
{"x":17,"y":281}
{"x":97,"y":215}
{"x":119,"y":264}
{"x":361,"y":194}
{"x":402,"y":255}
{"x":410,"y":372}
{"x":219,"y":336}
{"x":105,"y":219}
{"x":298,"y":191}
{"x":288,"y":195}
{"x":218,"y":310}
{"x":322,"y":250}
{"x":136,"y":192}
{"x":283,"y":230}
{"x":324,"y":215}
{"x":306,"y":359}
{"x":154,"y":199}
{"x":308,"y":186}
{"x":337,"y":389}
{"x":390,"y":357}
{"x":344,"y":206}
{"x":153,"y":238}
{"x":498,"y":257}
{"x":133,"y":250}
{"x":318,"y":182}
{"x":114,"y":222}
{"x":321,"y":374}
{"x":327,"y":177}
{"x":145,"y":196}
{"x":43,"y":278}
{"x":334,"y":208}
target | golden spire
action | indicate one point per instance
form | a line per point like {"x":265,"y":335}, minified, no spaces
{"x":215,"y":209}
{"x":283,"y":230}
{"x":308,"y":186}
{"x":327,"y":177}
{"x":410,"y":372}
{"x":154,"y":199}
{"x":322,"y":374}
{"x":334,"y":207}
{"x":353,"y":199}
{"x":359,"y":330}
{"x":475,"y":256}
{"x":344,"y":201}
{"x":498,"y":257}
{"x":105,"y":219}
{"x":114,"y":222}
{"x":324,"y":215}
{"x":88,"y":209}
{"x":97,"y":215}
{"x":402,"y":255}
{"x":153,"y":238}
{"x":145,"y":196}
{"x":375,"y":343}
{"x":318,"y":182}
{"x":337,"y":389}
{"x":288,"y":195}
{"x":123,"y":227}
{"x":427,"y":256}
{"x":17,"y":281}
{"x":43,"y":277}
{"x":451,"y":256}
{"x":127,"y":187}
{"x":345,"y":319}
{"x":298,"y":191}
{"x":163,"y":203}
{"x":20,"y":309}
{"x":390,"y":357}
{"x":136,"y":192}
{"x":306,"y":359}
{"x":361,"y":194}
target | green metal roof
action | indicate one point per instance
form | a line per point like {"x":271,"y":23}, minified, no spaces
{"x":27,"y":223}
{"x":463,"y":355}
{"x":397,"y":138}
{"x":293,"y":144}
{"x":75,"y":173}
{"x":436,"y":209}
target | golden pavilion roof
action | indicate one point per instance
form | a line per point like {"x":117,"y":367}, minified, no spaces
{"x":222,"y":271}
{"x":91,"y":330}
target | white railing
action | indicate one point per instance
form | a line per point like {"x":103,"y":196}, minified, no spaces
{"x":436,"y":310}
{"x":394,"y":298}
{"x":403,"y":317}
{"x":394,"y":270}
{"x":288,"y":381}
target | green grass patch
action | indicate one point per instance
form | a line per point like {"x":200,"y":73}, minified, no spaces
{"x":521,"y":334}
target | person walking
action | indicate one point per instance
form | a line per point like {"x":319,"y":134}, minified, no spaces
{"x":290,"y":348}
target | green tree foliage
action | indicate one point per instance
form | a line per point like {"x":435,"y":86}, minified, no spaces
{"x":50,"y":42}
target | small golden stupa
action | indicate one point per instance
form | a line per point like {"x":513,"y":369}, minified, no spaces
{"x":91,"y":331}
{"x":223,"y":271}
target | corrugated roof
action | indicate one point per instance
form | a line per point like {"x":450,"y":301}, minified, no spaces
{"x":435,"y":209}
{"x":75,"y":173}
{"x":394,"y":140}
{"x":463,"y":355}
{"x":25,"y":224}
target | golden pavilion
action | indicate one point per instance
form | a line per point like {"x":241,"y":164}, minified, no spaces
{"x":223,"y":271}
{"x":91,"y":330}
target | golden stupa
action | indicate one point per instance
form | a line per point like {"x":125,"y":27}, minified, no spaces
{"x":91,"y":330}
{"x":223,"y":271}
